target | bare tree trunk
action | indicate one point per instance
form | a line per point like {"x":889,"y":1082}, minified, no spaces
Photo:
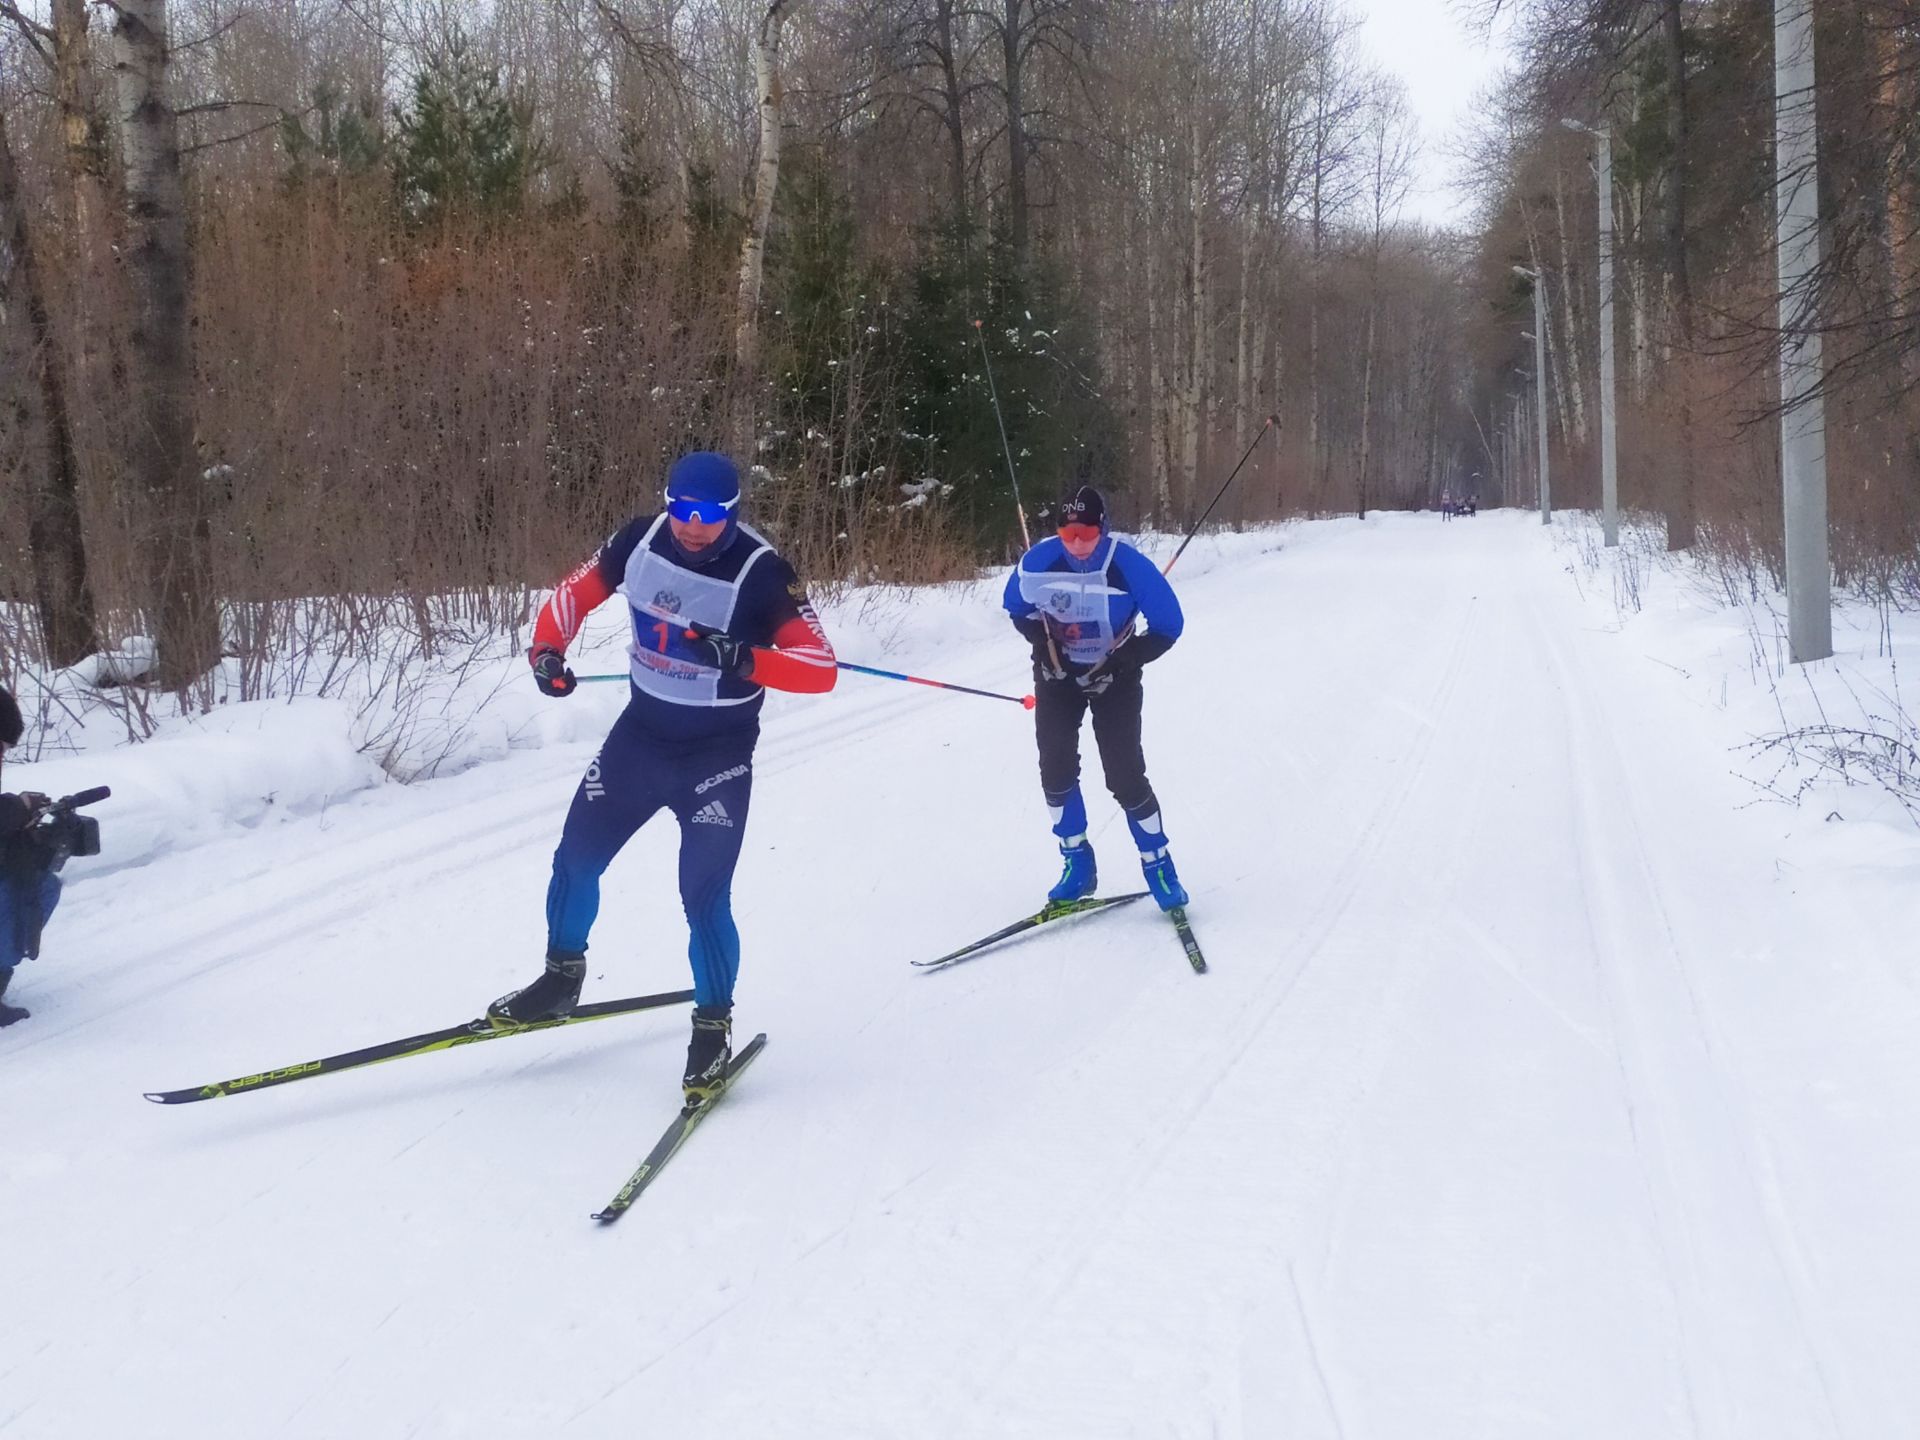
{"x":1633,"y":203}
{"x":1198,"y":328}
{"x":184,"y":609}
{"x":61,"y":594}
{"x":1570,"y":362}
{"x":83,"y":131}
{"x":1251,"y":220}
{"x":1242,"y":361}
{"x":954,"y":114}
{"x":753,"y":249}
{"x":1318,"y":237}
{"x":1156,"y":382}
{"x":1014,"y":63}
{"x":1366,"y":392}
{"x":1680,"y":501}
{"x":1901,"y":214}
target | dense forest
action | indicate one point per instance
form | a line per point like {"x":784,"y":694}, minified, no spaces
{"x":1684,"y":91}
{"x":386,"y":301}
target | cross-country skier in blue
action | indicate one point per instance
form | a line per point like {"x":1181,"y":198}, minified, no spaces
{"x":718,"y":618}
{"x":1076,"y":597}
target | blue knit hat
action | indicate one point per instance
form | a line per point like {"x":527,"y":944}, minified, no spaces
{"x":704,"y":475}
{"x":712,"y":480}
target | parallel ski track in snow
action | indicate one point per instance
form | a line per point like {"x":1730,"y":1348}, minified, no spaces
{"x":334,"y":886}
{"x":1663,"y":1042}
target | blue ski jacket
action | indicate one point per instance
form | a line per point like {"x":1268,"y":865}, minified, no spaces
{"x":1090,"y":609}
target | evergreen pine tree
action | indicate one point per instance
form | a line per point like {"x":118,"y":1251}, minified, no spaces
{"x":462,"y":146}
{"x":1044,"y":368}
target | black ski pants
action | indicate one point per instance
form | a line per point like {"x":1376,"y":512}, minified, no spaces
{"x":1059,"y":706}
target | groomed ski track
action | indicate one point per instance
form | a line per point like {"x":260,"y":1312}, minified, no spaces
{"x":1528,"y":1094}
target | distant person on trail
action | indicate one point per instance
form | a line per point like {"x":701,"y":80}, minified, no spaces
{"x":718,"y":618}
{"x":28,"y":888}
{"x":1075,"y":598}
{"x":1446,"y":505}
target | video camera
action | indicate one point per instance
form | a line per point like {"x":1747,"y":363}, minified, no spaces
{"x":57,"y":833}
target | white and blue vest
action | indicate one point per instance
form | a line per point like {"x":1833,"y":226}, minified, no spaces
{"x":1077,"y":606}
{"x":665,"y":599}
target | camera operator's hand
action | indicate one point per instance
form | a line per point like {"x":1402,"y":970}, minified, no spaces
{"x":36,"y":803}
{"x":550,"y":672}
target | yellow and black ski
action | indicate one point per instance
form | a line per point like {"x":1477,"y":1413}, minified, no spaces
{"x":1055,"y":910}
{"x":676,"y":1136}
{"x":1185,"y":931}
{"x":471,"y":1033}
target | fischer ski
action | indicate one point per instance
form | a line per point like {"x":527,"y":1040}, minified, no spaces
{"x":1055,"y":910}
{"x":1192,"y":946}
{"x":471,"y":1033}
{"x":676,"y":1136}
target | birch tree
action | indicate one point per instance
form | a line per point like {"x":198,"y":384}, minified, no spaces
{"x":181,"y":603}
{"x":63,"y":597}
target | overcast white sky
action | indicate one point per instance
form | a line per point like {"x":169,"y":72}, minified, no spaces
{"x":1444,"y":66}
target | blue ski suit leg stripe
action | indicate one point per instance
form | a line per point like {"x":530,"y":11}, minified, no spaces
{"x":712,"y":827}
{"x":707,"y":786}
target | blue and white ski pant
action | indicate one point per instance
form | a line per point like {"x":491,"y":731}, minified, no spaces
{"x":707,"y":784}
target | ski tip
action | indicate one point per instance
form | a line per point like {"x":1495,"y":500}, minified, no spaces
{"x":157,"y":1096}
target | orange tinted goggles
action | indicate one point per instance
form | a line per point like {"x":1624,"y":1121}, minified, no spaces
{"x":1080,"y":534}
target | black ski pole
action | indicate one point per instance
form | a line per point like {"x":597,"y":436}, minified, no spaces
{"x":1005,"y":448}
{"x":1026,"y":539}
{"x":1272,"y":420}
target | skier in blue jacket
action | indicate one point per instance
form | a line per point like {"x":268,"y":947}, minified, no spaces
{"x":1078,"y":597}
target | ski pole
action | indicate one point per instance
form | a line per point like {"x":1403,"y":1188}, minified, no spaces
{"x":1272,"y":420}
{"x":1025,"y":701}
{"x":1053,"y":650}
{"x":1005,"y":448}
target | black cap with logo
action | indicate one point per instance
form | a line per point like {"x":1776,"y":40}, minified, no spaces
{"x":1085,"y":506}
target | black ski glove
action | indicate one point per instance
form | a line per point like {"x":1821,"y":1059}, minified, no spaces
{"x":1094,"y":682}
{"x":1140,"y":650}
{"x":550,"y":672}
{"x":722,"y":651}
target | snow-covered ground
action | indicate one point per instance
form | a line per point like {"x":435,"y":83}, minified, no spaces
{"x":1548,"y":1081}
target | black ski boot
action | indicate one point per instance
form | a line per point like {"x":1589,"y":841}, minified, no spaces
{"x":9,"y":1013}
{"x":708,"y":1054}
{"x":551,"y":997}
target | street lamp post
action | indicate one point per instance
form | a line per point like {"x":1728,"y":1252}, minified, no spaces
{"x":1609,"y":443}
{"x":1539,"y":279}
{"x":1803,"y":420}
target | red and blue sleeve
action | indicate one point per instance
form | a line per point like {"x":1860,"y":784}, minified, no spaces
{"x":801,"y":658}
{"x":575,"y":597}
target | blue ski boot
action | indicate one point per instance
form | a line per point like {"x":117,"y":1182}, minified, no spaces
{"x":1163,"y":881}
{"x":1156,"y":863}
{"x":1079,"y":877}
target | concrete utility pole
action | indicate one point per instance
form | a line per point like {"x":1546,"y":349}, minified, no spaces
{"x":1539,"y":279}
{"x":1609,"y":414}
{"x":1803,"y":416}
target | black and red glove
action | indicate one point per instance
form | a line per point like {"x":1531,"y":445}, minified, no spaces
{"x":550,"y":671}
